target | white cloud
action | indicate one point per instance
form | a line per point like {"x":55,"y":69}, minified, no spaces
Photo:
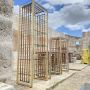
{"x":86,"y":30}
{"x":55,"y":20}
{"x":87,"y":1}
{"x":76,"y":13}
{"x":74,"y":16}
{"x":48,"y":6}
{"x":16,"y":9}
{"x":75,"y":27}
{"x":54,"y":2}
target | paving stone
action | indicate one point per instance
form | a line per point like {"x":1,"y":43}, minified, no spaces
{"x":4,"y":86}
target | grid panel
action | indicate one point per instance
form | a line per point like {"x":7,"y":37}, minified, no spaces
{"x":65,"y":60}
{"x":24,"y":57}
{"x":55,"y":51}
{"x":33,"y":44}
{"x":41,"y":46}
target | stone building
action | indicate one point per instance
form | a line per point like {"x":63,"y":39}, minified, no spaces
{"x":85,"y":40}
{"x":74,"y":45}
{"x":53,"y":33}
{"x":86,"y":47}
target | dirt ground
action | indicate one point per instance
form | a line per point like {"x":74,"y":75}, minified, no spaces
{"x":75,"y":82}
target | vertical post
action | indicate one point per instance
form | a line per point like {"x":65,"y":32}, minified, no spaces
{"x":47,"y":63}
{"x":89,"y":52}
{"x":67,"y":56}
{"x":60,"y":44}
{"x":32,"y":42}
{"x":50,"y":53}
{"x":17,"y":78}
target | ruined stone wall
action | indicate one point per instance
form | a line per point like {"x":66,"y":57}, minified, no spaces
{"x":15,"y":38}
{"x":74,"y":45}
{"x":15,"y":32}
{"x":6,"y":7}
{"x":52,"y":33}
{"x":5,"y":46}
{"x":5,"y":35}
{"x":86,"y":40}
{"x":5,"y":39}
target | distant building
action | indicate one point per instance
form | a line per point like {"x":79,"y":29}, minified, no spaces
{"x":74,"y":44}
{"x":86,"y":40}
{"x":53,"y":33}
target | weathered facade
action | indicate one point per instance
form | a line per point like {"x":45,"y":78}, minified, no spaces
{"x":86,"y":47}
{"x":74,"y":45}
{"x":6,"y":7}
{"x":85,"y":40}
{"x":5,"y":37}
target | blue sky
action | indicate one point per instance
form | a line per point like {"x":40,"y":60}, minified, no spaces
{"x":19,"y":2}
{"x":68,"y":16}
